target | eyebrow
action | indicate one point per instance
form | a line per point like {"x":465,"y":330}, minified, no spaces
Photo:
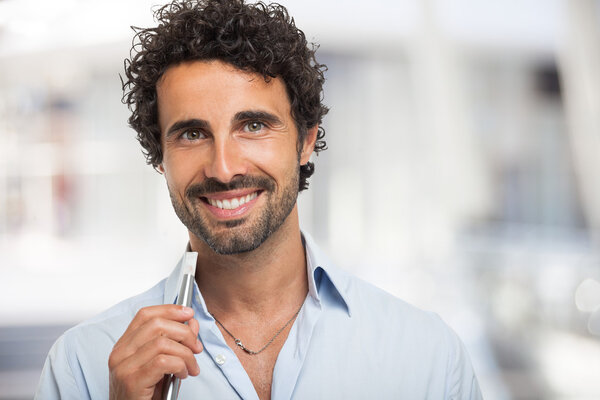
{"x":257,"y":115}
{"x":187,"y":123}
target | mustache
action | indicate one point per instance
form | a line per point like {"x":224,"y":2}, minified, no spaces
{"x":211,"y":185}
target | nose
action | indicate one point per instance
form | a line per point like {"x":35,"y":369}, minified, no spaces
{"x":226,"y":160}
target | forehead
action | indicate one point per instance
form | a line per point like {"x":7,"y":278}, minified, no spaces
{"x":214,"y":89}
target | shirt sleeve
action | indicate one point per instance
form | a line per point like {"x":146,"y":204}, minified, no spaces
{"x":461,"y":380}
{"x":57,"y":380}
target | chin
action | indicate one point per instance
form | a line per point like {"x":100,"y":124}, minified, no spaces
{"x":233,"y":245}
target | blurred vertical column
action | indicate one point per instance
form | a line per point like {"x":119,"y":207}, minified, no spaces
{"x":580,"y":73}
{"x":454,"y":182}
{"x":452,"y":167}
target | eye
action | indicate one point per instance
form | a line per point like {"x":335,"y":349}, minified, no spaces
{"x":192,"y":134}
{"x":254,"y":126}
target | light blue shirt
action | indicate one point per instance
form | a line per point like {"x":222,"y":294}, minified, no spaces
{"x":350,"y":340}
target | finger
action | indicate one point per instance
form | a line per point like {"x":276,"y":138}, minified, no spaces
{"x":167,"y":311}
{"x":176,"y":331}
{"x":148,"y":377}
{"x":151,"y":373}
{"x":151,"y":330}
{"x":195,"y":327}
{"x":162,"y":346}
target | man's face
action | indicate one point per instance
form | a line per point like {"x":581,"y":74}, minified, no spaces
{"x":230,"y":154}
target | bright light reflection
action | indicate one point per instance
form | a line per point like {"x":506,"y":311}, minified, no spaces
{"x":594,"y":322}
{"x":587,"y":295}
{"x":570,"y":364}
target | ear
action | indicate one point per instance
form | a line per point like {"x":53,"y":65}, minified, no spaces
{"x":309,"y":144}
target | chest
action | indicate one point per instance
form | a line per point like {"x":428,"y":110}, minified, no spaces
{"x":259,"y":367}
{"x":342,"y":358}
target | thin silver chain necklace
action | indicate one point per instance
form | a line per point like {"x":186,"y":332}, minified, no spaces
{"x":239,"y":343}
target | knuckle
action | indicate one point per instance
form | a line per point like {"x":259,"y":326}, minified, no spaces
{"x":157,"y":325}
{"x":112,"y":362}
{"x":115,"y":356}
{"x":142,"y":313}
{"x":161,"y":361}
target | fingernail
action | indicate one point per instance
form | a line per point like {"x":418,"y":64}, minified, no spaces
{"x":187,"y":310}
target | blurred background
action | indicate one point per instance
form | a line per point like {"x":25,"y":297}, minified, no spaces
{"x":462,"y":175}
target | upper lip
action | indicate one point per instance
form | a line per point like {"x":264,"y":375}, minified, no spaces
{"x":231,"y":194}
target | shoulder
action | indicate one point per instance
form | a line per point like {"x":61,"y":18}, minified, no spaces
{"x":112,"y":322}
{"x":79,"y":358}
{"x":372,"y":310}
{"x":411,"y":340}
{"x":364,"y":302}
{"x":419,"y":336}
{"x":392,"y":338}
{"x":364,"y":299}
{"x":371,"y":295}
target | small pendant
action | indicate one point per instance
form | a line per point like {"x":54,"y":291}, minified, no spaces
{"x":241,"y":346}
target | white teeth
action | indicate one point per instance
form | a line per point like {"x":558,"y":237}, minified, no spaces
{"x":231,"y":204}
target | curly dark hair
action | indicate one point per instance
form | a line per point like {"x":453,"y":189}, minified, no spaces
{"x":257,"y":38}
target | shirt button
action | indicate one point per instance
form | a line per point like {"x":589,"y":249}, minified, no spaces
{"x":220,"y":359}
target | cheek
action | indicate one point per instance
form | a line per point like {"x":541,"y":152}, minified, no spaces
{"x":178,"y":170}
{"x":283,"y":168}
{"x":274,"y":156}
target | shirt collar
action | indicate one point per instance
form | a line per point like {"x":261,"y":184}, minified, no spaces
{"x":318,"y":267}
{"x":173,"y":283}
{"x":174,"y":280}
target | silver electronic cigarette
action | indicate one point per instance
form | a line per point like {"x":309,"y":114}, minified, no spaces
{"x":186,"y":293}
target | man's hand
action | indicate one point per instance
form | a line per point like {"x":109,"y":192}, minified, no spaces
{"x":155,"y":343}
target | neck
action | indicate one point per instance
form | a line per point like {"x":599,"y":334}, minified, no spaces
{"x":259,"y":282}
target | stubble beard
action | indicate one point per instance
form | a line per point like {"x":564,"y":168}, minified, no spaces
{"x":241,"y":235}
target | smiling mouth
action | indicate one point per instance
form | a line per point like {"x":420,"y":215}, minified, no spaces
{"x":231,"y":203}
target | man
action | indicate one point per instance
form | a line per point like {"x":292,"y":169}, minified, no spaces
{"x":226,"y":101}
